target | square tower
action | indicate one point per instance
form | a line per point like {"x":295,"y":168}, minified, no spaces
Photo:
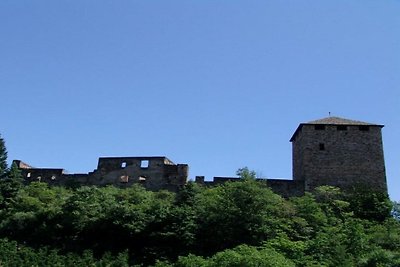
{"x":339,"y":152}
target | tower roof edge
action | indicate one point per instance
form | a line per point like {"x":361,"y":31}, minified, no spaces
{"x":340,"y":121}
{"x":333,"y":121}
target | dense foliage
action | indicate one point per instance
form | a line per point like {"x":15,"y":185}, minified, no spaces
{"x":3,"y":158}
{"x":235,"y":224}
{"x":396,"y":210}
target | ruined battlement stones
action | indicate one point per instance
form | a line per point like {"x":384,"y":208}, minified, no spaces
{"x":154,"y":173}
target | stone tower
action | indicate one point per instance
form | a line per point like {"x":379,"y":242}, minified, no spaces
{"x":339,"y":152}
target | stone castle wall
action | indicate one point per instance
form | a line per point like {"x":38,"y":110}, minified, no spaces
{"x":154,"y":173}
{"x":331,"y":151}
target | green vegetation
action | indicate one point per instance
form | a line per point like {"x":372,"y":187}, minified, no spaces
{"x":235,"y":224}
{"x":3,"y":158}
{"x":395,"y":212}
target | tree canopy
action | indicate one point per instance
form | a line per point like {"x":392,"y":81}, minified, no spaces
{"x":239,"y":223}
{"x":3,"y":158}
{"x":234,"y":224}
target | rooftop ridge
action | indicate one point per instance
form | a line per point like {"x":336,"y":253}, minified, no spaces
{"x":340,"y":121}
{"x":334,"y":121}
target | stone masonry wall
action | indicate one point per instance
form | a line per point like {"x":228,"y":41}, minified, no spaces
{"x":154,"y":173}
{"x":342,"y":156}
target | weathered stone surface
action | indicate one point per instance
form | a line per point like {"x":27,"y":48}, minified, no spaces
{"x":341,"y":153}
{"x":154,"y":173}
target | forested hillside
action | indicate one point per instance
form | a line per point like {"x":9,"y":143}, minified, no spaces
{"x":235,"y":224}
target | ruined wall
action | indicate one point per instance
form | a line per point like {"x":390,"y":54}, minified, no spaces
{"x":286,"y":188}
{"x":339,"y":155}
{"x":154,"y":173}
{"x":51,"y":176}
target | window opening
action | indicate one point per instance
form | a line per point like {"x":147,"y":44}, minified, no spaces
{"x":363,"y":128}
{"x":28,"y":175}
{"x":123,"y":164}
{"x":321,"y":146}
{"x":142,"y":179}
{"x":319,"y":127}
{"x":53,"y":177}
{"x":124,"y":178}
{"x":144,"y":164}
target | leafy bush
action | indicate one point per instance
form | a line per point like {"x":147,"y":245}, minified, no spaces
{"x":235,"y":224}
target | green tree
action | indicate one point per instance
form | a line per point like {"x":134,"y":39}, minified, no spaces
{"x":396,"y":210}
{"x":14,"y":254}
{"x":10,"y":184}
{"x":15,"y":173}
{"x":246,"y":173}
{"x":3,"y":158}
{"x":187,"y":195}
{"x":32,"y":215}
{"x":238,"y":212}
{"x":370,"y":204}
{"x":241,"y":256}
{"x":248,"y":256}
{"x":308,"y":209}
{"x":332,"y":201}
{"x":14,"y":179}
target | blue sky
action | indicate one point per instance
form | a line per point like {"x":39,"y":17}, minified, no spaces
{"x":215,"y":84}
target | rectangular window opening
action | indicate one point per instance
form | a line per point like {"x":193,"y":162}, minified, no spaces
{"x":364,"y":128}
{"x":123,"y":164}
{"x":321,"y":146}
{"x":144,"y":164}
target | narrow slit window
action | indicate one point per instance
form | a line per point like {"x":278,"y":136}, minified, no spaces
{"x":144,"y":164}
{"x":28,"y":175}
{"x":321,"y":146}
{"x":123,"y":164}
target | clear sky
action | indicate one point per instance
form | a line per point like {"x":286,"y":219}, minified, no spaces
{"x":215,"y":84}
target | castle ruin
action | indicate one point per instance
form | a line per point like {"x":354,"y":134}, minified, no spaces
{"x":154,"y":173}
{"x":330,"y":151}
